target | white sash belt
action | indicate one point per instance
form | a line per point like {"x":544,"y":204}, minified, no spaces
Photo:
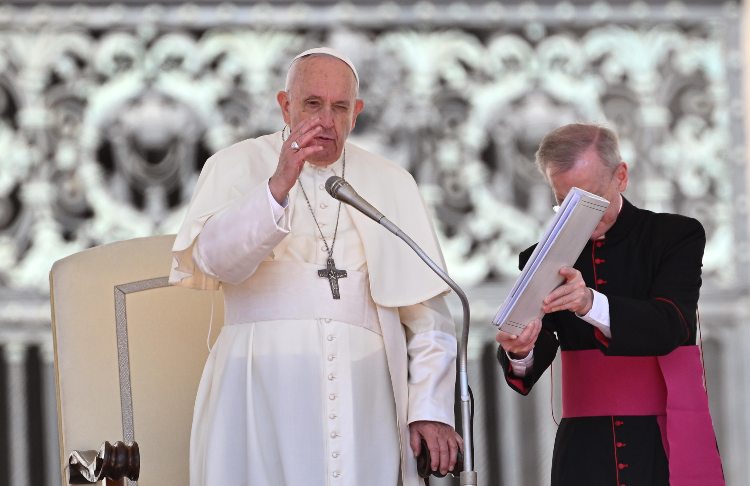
{"x":293,"y":290}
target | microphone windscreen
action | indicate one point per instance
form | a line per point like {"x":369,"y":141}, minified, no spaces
{"x":333,"y":184}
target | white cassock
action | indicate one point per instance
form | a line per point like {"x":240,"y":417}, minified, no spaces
{"x":301,"y":388}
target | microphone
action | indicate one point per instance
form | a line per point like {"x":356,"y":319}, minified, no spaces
{"x":339,"y":189}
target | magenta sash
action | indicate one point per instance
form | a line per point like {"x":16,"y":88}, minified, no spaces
{"x":670,"y":387}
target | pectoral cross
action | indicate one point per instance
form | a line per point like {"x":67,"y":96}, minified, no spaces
{"x":333,"y":275}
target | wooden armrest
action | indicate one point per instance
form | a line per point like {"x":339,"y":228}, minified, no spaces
{"x":115,"y":462}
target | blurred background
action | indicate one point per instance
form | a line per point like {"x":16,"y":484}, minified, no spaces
{"x":108,"y":111}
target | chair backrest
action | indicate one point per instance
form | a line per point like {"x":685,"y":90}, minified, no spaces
{"x":129,"y":351}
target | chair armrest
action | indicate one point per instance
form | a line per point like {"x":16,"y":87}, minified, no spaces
{"x":115,"y":462}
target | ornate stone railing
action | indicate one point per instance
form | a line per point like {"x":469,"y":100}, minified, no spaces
{"x":107,"y":114}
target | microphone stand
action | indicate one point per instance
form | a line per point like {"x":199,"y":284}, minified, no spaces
{"x":339,"y":189}
{"x":468,"y":476}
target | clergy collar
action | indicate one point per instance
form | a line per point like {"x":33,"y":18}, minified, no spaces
{"x":335,"y":167}
{"x":623,"y":224}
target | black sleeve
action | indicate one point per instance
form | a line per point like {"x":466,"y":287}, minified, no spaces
{"x":667,"y":318}
{"x":545,"y":348}
{"x":524,"y":256}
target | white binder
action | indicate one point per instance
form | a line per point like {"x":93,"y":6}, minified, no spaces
{"x":563,"y":240}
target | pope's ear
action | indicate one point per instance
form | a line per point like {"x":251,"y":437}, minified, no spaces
{"x":359,"y":105}
{"x":282,"y":97}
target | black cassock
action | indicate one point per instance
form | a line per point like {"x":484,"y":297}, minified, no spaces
{"x":649,"y":267}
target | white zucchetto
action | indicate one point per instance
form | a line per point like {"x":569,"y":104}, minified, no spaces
{"x":326,"y":51}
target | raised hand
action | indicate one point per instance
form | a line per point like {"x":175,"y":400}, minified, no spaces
{"x":294,"y":151}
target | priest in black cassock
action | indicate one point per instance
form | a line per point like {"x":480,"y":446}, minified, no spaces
{"x":635,"y":411}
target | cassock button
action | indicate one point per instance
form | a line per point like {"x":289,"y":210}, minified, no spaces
{"x":331,"y":357}
{"x":321,"y":186}
{"x":336,"y":474}
{"x":622,"y":466}
{"x":331,"y":377}
{"x":330,"y":337}
{"x":599,"y":260}
{"x":621,"y":444}
{"x":332,"y":416}
{"x":599,"y":244}
{"x":323,"y":205}
{"x":335,"y":455}
{"x":332,"y":396}
{"x":334,"y":435}
{"x":618,"y":422}
{"x":600,"y":281}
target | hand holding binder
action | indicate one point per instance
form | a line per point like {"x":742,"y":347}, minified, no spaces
{"x":563,"y":240}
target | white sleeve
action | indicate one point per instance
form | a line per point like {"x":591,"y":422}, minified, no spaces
{"x":431,"y":345}
{"x":598,"y":315}
{"x":237,"y":239}
{"x":520,"y":366}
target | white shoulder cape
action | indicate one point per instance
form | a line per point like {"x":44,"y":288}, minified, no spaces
{"x":398,"y":277}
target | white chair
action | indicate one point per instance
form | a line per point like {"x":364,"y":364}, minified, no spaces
{"x":129,"y":351}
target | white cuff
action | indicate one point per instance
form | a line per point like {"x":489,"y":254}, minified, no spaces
{"x":520,"y":366}
{"x":277,"y":209}
{"x":598,"y":315}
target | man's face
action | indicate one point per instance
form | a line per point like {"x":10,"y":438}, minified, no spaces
{"x":323,"y":87}
{"x":591,"y":175}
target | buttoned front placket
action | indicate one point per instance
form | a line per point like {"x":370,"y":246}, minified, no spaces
{"x":326,"y":209}
{"x":322,"y":207}
{"x":600,"y":283}
{"x":333,"y":422}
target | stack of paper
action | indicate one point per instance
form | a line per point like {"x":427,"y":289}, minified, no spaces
{"x":560,"y":246}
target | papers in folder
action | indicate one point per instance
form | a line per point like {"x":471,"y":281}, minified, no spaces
{"x":560,"y":246}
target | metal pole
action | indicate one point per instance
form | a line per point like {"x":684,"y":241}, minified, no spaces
{"x":468,"y":476}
